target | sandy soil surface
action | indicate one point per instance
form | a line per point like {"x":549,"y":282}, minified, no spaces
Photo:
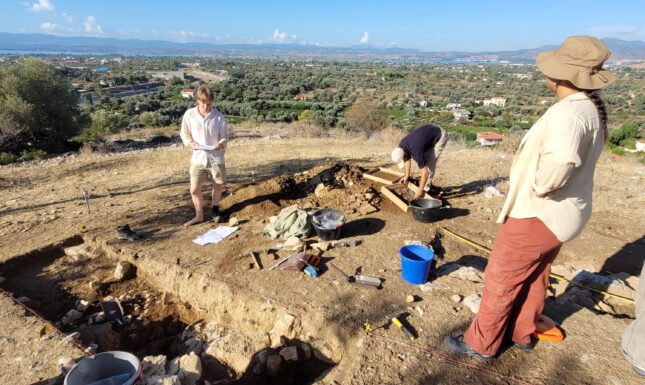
{"x":43,"y":204}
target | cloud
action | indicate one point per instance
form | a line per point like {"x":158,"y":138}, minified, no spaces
{"x":41,"y":5}
{"x":68,"y":17}
{"x":92,"y":26}
{"x":366,"y":38}
{"x":612,"y":30}
{"x":189,"y":36}
{"x":283,"y":37}
{"x":50,"y":27}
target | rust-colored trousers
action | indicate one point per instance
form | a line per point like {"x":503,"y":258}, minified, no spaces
{"x":515,"y":283}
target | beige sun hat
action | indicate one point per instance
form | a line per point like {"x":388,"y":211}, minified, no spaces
{"x":579,"y":60}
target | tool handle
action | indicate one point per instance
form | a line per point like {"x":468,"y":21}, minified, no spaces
{"x":256,"y":261}
{"x":405,"y":330}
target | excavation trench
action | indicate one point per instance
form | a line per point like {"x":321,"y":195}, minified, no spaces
{"x":169,"y":313}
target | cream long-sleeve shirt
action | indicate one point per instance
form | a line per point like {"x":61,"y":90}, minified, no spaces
{"x":208,"y":130}
{"x":552,"y":173}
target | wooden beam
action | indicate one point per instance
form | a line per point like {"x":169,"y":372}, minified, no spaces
{"x":414,"y":189}
{"x":377,"y":179}
{"x":385,"y":190}
{"x":390,"y":171}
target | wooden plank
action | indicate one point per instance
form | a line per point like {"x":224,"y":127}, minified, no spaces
{"x":414,"y":189}
{"x":390,"y":171}
{"x":371,"y":175}
{"x":385,"y":190}
{"x":377,"y":179}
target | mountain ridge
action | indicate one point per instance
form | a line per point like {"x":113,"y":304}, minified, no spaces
{"x":621,"y":49}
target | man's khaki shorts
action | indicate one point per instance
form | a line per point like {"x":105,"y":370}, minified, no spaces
{"x":212,"y":172}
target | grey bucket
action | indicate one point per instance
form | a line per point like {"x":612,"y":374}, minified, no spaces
{"x":122,"y":367}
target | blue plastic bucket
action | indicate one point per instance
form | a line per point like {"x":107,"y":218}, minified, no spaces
{"x":415,"y":263}
{"x":109,"y":368}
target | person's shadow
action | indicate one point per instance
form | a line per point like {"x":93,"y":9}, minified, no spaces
{"x":629,"y":259}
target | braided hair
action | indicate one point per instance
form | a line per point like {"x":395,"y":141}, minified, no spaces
{"x":594,"y":96}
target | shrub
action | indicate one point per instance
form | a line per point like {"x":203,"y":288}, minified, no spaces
{"x":33,"y":154}
{"x":7,"y":157}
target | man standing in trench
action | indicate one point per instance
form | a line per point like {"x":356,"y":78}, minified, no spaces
{"x":424,"y":144}
{"x":204,"y":130}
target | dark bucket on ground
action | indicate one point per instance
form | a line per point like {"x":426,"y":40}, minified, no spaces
{"x":415,"y":263}
{"x":328,"y":223}
{"x":108,"y":368}
{"x":423,"y":210}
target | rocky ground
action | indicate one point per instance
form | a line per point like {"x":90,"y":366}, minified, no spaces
{"x":207,"y":306}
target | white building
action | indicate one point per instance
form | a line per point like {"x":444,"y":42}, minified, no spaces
{"x":489,"y":138}
{"x":452,"y":106}
{"x":498,"y":101}
{"x":187,"y":93}
{"x":167,"y":75}
{"x":461,"y":114}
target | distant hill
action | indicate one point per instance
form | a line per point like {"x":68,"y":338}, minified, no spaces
{"x":42,"y":43}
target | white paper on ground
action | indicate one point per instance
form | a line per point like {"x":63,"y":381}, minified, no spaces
{"x":214,"y":235}
{"x":206,"y":147}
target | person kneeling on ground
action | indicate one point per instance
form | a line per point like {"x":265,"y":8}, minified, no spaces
{"x":548,"y":202}
{"x":203,"y":128}
{"x":424,"y":144}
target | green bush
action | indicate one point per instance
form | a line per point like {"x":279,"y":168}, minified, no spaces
{"x":37,"y":106}
{"x":32,"y":154}
{"x":618,"y":151}
{"x":7,"y":158}
{"x":627,"y":131}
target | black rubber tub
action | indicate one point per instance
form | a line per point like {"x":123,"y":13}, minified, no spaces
{"x":328,"y":223}
{"x":423,"y":209}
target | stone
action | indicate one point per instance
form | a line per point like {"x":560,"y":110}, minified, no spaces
{"x":153,"y":366}
{"x":467,"y":273}
{"x":493,"y":192}
{"x":322,"y":246}
{"x":163,"y":380}
{"x":124,"y":270}
{"x":306,"y":350}
{"x":66,"y":363}
{"x":233,"y":222}
{"x":74,"y":315}
{"x":322,"y":351}
{"x":66,"y":320}
{"x":366,"y":209}
{"x":2,"y":279}
{"x":190,"y":369}
{"x":82,"y":305}
{"x":81,"y":250}
{"x":172,"y":366}
{"x":473,"y":302}
{"x":320,"y":190}
{"x":99,"y":317}
{"x":419,"y":310}
{"x":410,"y":298}
{"x":567,"y":271}
{"x":23,"y":299}
{"x":263,"y":356}
{"x":455,"y":298}
{"x":194,"y":345}
{"x":579,"y":296}
{"x":101,"y":334}
{"x":274,"y":363}
{"x":91,"y":349}
{"x":293,"y":243}
{"x":290,"y":353}
{"x":259,"y":368}
{"x":72,"y":337}
{"x":429,"y":286}
{"x":283,"y":326}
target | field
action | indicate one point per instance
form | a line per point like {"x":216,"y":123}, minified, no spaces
{"x":212,"y":290}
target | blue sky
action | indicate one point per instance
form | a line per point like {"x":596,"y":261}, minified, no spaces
{"x":429,"y":25}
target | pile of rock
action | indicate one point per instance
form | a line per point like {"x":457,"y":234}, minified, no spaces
{"x":182,"y":370}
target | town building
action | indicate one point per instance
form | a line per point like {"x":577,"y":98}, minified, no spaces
{"x":489,"y":138}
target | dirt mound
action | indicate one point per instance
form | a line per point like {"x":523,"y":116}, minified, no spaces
{"x":335,"y":185}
